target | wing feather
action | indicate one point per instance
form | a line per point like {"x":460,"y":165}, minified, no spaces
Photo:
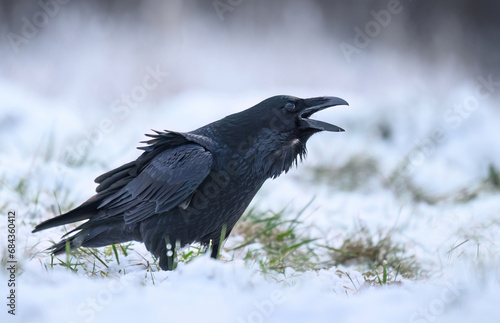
{"x":168,"y":180}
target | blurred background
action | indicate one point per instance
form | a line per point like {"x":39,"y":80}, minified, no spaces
{"x":233,"y":44}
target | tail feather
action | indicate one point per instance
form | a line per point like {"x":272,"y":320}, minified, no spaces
{"x":73,"y":242}
{"x":83,"y":212}
{"x":75,"y":215}
{"x":98,"y":236}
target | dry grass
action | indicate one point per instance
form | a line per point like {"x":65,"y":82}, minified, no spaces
{"x":370,"y":251}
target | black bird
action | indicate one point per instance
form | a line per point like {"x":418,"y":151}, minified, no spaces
{"x":194,"y":186}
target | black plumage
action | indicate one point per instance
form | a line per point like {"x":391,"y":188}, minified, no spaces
{"x":190,"y":187}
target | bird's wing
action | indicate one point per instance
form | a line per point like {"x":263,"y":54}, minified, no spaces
{"x":165,"y":182}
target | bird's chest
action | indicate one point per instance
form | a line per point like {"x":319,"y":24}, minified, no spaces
{"x":229,"y":192}
{"x":224,"y":195}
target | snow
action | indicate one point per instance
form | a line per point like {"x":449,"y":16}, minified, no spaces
{"x":55,"y":114}
{"x":211,"y":291}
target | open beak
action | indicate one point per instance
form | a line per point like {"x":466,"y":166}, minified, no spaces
{"x":314,"y":105}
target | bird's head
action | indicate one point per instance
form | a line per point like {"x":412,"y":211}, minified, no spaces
{"x":274,"y":132}
{"x":291,"y":114}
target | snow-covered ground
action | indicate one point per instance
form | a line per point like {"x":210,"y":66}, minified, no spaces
{"x":430,"y":130}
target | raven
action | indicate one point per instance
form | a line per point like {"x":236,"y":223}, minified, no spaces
{"x":194,"y":186}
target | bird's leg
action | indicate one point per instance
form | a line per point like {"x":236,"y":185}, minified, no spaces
{"x":167,"y":263}
{"x":216,"y":244}
{"x":215,"y":249}
{"x":168,"y":260}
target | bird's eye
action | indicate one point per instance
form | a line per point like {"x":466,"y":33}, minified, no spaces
{"x":290,"y":107}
